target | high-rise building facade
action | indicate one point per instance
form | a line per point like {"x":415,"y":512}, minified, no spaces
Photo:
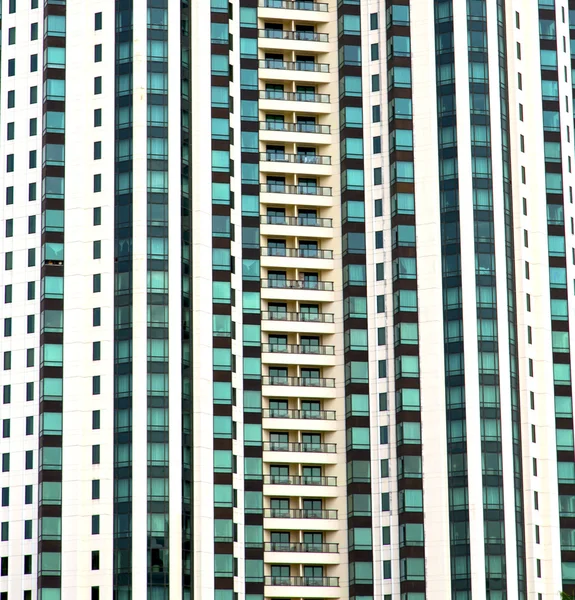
{"x":286,"y":290}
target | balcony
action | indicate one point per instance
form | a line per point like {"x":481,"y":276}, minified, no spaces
{"x":308,"y":5}
{"x":297,"y":317}
{"x":295,"y":127}
{"x":320,"y":382}
{"x":318,"y":291}
{"x":296,"y":252}
{"x":298,"y":65}
{"x":294,"y":580}
{"x":305,"y":190}
{"x":315,"y":259}
{"x":300,"y":547}
{"x":299,"y":420}
{"x":298,"y":133}
{"x":302,"y":159}
{"x":300,"y":480}
{"x":299,"y":447}
{"x":304,"y":221}
{"x":299,"y":349}
{"x":302,"y":36}
{"x":286,"y":413}
{"x":294,"y":96}
{"x":299,"y":513}
{"x":293,"y":519}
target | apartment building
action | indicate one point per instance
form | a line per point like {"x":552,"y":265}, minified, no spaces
{"x":286,"y":291}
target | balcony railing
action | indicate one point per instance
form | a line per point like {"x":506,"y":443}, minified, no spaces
{"x":299,"y":513}
{"x":294,"y":96}
{"x":299,"y":480}
{"x":303,"y":159}
{"x":302,"y":581}
{"x":297,"y":316}
{"x":296,"y":252}
{"x":293,"y":413}
{"x":295,"y":5}
{"x":298,"y":65}
{"x":307,"y":190}
{"x":300,"y":447}
{"x":305,"y":36}
{"x":305,"y":221}
{"x":298,"y":284}
{"x":324,"y":382}
{"x":295,"y":127}
{"x":299,"y":349}
{"x":299,"y":547}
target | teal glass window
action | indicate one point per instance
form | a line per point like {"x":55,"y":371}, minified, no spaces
{"x":252,"y":368}
{"x":357,"y":372}
{"x":354,"y":211}
{"x":557,"y":277}
{"x":352,"y":179}
{"x":361,"y":573}
{"x":354,"y":275}
{"x":548,"y":60}
{"x":412,"y":569}
{"x":223,"y":495}
{"x":253,"y":467}
{"x":220,"y":161}
{"x":249,"y":80}
{"x":221,"y":259}
{"x":405,"y":300}
{"x":51,"y":458}
{"x":252,"y":401}
{"x":219,"y":33}
{"x":248,"y":47}
{"x":360,"y":538}
{"x":556,"y":245}
{"x":404,"y":268}
{"x":352,"y":148}
{"x":350,"y":86}
{"x":564,"y":439}
{"x":222,"y":392}
{"x":350,"y":55}
{"x":411,"y":500}
{"x":351,"y":116}
{"x":55,"y":25}
{"x":55,"y":58}
{"x":51,"y":528}
{"x":353,"y":243}
{"x":250,"y":269}
{"x":399,"y":77}
{"x":50,"y":493}
{"x":407,"y":366}
{"x":222,"y":359}
{"x":223,"y":461}
{"x":220,"y":129}
{"x":52,"y":355}
{"x":250,"y":173}
{"x":220,"y":65}
{"x":251,"y":335}
{"x":408,"y":399}
{"x":222,"y":325}
{"x":357,"y":438}
{"x":561,"y":373}
{"x":248,"y":17}
{"x":355,"y":339}
{"x":250,"y":206}
{"x":51,"y":423}
{"x":549,"y":89}
{"x":357,"y":405}
{"x":221,"y":193}
{"x":221,"y":292}
{"x":251,"y":302}
{"x":220,"y":97}
{"x":249,"y":110}
{"x":355,"y":307}
{"x":359,"y":505}
{"x":252,"y":434}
